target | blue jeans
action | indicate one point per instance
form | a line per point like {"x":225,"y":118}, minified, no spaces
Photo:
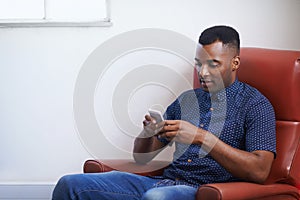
{"x":118,"y":185}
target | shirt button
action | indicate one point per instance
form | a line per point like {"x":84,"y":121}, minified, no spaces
{"x":189,"y":160}
{"x":211,"y":109}
{"x":201,"y":125}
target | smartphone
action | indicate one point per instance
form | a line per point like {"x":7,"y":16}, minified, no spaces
{"x":156,"y":115}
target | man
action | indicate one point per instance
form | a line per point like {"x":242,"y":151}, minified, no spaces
{"x":223,"y":132}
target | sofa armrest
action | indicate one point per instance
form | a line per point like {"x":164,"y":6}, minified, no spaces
{"x":217,"y":191}
{"x":153,"y":168}
{"x":244,"y":190}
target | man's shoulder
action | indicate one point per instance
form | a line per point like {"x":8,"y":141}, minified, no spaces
{"x":252,"y":94}
{"x":248,"y":90}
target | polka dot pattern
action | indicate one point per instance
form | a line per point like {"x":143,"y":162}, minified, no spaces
{"x":239,"y":115}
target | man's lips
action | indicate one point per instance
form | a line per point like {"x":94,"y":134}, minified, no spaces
{"x":205,"y":83}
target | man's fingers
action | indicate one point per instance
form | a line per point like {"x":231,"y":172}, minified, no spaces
{"x":171,"y":122}
{"x":148,"y":120}
{"x":170,"y":126}
{"x":147,"y":117}
{"x":167,"y":135}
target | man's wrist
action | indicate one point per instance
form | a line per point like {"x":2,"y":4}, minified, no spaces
{"x":201,"y":134}
{"x":146,"y":135}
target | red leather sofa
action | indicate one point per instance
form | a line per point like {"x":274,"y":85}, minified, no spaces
{"x":276,"y":73}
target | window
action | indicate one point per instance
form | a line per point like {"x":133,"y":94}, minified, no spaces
{"x":54,"y":13}
{"x":19,"y":9}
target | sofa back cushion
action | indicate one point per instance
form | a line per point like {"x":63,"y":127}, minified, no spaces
{"x":276,"y":74}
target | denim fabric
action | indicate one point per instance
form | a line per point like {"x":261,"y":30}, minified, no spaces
{"x":120,"y":186}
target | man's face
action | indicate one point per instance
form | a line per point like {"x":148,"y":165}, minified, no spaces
{"x":216,"y":65}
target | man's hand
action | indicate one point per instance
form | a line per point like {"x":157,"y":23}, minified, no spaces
{"x":182,"y":132}
{"x":151,"y":128}
{"x":146,"y":147}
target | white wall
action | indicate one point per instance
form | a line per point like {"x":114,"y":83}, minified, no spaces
{"x":39,"y":67}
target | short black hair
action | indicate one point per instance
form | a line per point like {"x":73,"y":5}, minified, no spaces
{"x":225,"y":34}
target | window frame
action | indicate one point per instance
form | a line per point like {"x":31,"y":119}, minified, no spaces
{"x":45,"y":22}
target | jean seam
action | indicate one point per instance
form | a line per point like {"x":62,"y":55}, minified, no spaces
{"x":109,"y":192}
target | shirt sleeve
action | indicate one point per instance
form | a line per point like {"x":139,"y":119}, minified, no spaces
{"x":261,"y":127}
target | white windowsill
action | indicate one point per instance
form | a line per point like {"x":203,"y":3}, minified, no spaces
{"x":49,"y":23}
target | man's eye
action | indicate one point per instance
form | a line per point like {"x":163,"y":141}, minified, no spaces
{"x":213,"y":65}
{"x":199,"y":64}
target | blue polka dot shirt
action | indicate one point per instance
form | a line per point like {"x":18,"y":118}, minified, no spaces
{"x":239,"y":115}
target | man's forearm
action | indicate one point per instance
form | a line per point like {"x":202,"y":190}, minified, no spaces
{"x":146,"y":148}
{"x":250,"y":166}
{"x":143,"y":144}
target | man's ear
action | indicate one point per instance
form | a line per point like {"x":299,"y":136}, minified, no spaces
{"x":235,"y":63}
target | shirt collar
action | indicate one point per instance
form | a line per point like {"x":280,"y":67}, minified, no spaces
{"x":221,"y":95}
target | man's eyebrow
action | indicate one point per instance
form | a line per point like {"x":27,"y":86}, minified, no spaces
{"x":209,"y":61}
{"x":213,"y":60}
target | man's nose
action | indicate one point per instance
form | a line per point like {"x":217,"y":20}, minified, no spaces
{"x":204,"y":71}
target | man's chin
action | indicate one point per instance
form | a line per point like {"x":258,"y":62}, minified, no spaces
{"x":210,"y":89}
